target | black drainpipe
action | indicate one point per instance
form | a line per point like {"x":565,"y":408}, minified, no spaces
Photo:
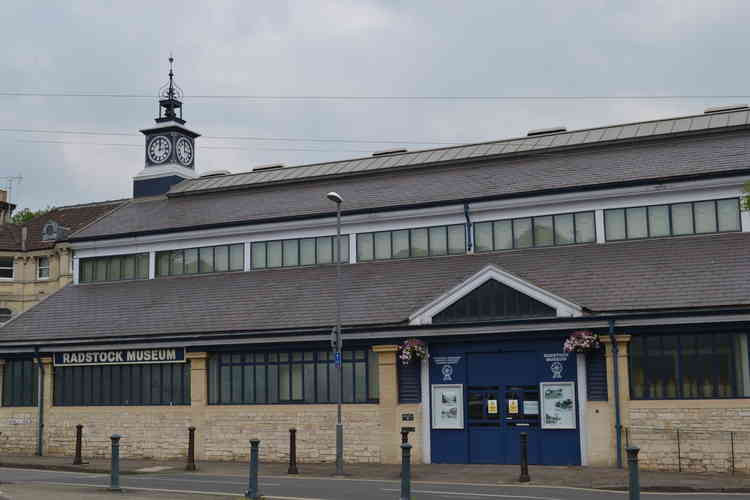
{"x":618,"y":423}
{"x":469,"y":239}
{"x":39,"y":402}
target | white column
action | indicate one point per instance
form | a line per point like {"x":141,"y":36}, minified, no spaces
{"x":248,"y":249}
{"x":151,"y":265}
{"x":599,"y":223}
{"x":75,"y":269}
{"x":745,"y":221}
{"x":582,"y":398}
{"x":426,"y":411}
{"x":352,"y":248}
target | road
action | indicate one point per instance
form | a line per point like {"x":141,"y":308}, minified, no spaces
{"x":326,"y":489}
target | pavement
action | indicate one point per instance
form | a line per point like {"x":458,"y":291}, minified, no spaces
{"x":573,"y":477}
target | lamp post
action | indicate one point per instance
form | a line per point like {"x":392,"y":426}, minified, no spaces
{"x":337,"y":340}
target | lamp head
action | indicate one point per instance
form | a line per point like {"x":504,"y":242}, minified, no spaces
{"x":334,"y":197}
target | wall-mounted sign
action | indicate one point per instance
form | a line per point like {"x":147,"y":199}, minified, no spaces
{"x":531,"y":407}
{"x":24,"y":420}
{"x":512,"y":406}
{"x":407,"y":417}
{"x":120,"y":357}
{"x":448,"y":406}
{"x":446,"y":366}
{"x":558,"y":405}
{"x":556,"y":363}
{"x":492,"y":406}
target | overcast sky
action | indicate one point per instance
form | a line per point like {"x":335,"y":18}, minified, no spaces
{"x":338,"y":48}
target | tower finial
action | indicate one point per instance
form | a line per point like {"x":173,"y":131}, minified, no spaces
{"x":169,"y":97}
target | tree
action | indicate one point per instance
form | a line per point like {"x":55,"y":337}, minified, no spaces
{"x":25,"y":215}
{"x":745,"y":202}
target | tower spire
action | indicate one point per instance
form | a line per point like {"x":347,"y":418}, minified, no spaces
{"x":169,"y":98}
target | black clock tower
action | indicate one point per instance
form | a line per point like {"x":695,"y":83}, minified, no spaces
{"x":170,"y":146}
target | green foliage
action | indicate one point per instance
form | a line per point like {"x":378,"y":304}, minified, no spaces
{"x":26,"y":214}
{"x":746,"y":199}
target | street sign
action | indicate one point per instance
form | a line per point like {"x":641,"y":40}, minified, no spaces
{"x":338,"y":359}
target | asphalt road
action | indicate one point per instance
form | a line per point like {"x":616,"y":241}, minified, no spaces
{"x":329,"y":489}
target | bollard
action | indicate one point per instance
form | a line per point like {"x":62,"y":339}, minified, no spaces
{"x":191,"y":449}
{"x":524,"y":477}
{"x":114,"y":480}
{"x":292,"y":452}
{"x":405,"y":471}
{"x":252,"y":487}
{"x":78,"y":460}
{"x":634,"y":488}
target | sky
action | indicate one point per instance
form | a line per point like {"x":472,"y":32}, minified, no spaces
{"x":255,"y":72}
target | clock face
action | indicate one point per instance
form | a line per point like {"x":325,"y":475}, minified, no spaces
{"x":184,"y":151}
{"x":159,"y":149}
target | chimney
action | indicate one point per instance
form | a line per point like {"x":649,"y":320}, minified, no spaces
{"x":6,"y":209}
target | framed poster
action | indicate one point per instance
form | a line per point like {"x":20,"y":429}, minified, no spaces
{"x":558,"y":405}
{"x":447,"y":406}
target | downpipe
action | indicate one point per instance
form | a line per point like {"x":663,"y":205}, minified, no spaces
{"x":39,"y":402}
{"x":615,"y":368}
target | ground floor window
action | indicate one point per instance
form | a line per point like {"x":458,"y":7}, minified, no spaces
{"x":689,"y":366}
{"x":156,"y":384}
{"x":19,"y":383}
{"x":291,"y":377}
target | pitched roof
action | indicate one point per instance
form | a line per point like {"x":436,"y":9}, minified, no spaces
{"x":72,"y":217}
{"x":678,"y":158}
{"x":538,"y":142}
{"x":660,"y":274}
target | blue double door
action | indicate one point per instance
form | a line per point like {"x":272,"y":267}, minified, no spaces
{"x":502,"y":401}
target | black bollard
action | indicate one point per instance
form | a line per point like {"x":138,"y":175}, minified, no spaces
{"x":634,"y":488}
{"x":292,"y":452}
{"x":114,"y":480}
{"x":405,"y":471}
{"x":524,"y":477}
{"x":78,"y":460}
{"x":191,"y":449}
{"x":252,"y":487}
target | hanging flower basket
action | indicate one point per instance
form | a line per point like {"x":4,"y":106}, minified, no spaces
{"x":582,"y":341}
{"x":412,"y":350}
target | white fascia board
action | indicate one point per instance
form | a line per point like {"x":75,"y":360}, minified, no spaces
{"x":158,"y":171}
{"x":563,"y":307}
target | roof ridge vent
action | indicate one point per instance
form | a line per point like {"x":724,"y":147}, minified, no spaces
{"x":720,"y":109}
{"x":390,"y":152}
{"x":542,"y":131}
{"x":268,"y":166}
{"x":215,"y":173}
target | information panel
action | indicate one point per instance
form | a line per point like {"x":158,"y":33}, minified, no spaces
{"x":558,"y":405}
{"x":448,"y":406}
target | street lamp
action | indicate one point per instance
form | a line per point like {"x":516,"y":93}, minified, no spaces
{"x":337,"y":339}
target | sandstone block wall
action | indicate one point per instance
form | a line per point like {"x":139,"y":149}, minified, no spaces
{"x":695,"y":436}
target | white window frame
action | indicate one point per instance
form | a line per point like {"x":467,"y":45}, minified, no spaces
{"x":39,"y":267}
{"x":12,"y":268}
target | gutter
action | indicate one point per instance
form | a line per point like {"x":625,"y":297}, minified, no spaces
{"x":39,"y":402}
{"x":618,"y":422}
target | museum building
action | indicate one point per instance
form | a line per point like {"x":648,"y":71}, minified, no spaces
{"x":209,"y":301}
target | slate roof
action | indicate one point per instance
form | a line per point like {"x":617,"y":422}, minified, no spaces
{"x":73,"y":217}
{"x":535,"y":143}
{"x":646,"y":275}
{"x":677,"y":158}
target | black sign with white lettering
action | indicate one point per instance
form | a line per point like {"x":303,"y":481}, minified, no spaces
{"x":121,"y":357}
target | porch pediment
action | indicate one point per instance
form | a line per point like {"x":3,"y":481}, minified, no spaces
{"x":492,"y":294}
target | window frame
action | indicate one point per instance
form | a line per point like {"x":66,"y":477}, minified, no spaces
{"x":248,"y":362}
{"x":669,"y":206}
{"x":410,"y":239}
{"x":40,"y":268}
{"x":532,"y":232}
{"x":94,"y":261}
{"x":680,"y":360}
{"x":170,"y":255}
{"x":12,"y":388}
{"x":12,"y":268}
{"x":283,"y":243}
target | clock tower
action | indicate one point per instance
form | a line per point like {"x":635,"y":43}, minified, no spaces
{"x":170,"y":145}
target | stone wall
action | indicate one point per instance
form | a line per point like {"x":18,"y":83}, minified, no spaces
{"x":371,"y":431}
{"x":694,"y":436}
